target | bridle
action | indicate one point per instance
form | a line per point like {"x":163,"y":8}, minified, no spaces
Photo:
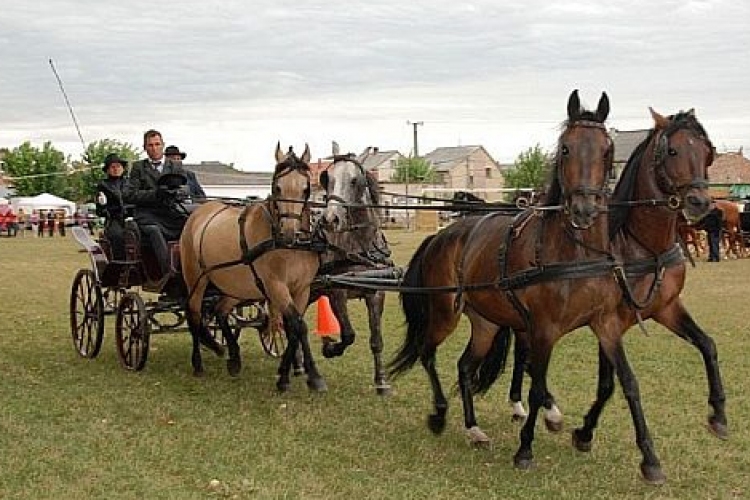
{"x":289,"y":166}
{"x":598,"y":191}
{"x":347,"y":204}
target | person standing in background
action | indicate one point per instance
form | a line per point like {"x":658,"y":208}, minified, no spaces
{"x":177,"y":156}
{"x":50,"y":224}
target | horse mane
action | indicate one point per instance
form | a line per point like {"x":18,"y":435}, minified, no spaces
{"x":554,"y":190}
{"x":373,"y":186}
{"x":625,"y":187}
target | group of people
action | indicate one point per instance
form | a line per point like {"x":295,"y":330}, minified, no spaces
{"x":151,"y":187}
{"x":37,"y":222}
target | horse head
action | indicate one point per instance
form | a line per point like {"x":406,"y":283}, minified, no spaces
{"x":681,"y":153}
{"x":582,"y":163}
{"x":348,"y":191}
{"x":290,"y":192}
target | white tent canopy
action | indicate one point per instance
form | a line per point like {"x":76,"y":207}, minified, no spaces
{"x":44,"y":201}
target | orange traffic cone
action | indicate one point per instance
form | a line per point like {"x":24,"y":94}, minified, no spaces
{"x":327,"y":322}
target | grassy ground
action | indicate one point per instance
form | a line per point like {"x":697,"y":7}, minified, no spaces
{"x":74,"y":428}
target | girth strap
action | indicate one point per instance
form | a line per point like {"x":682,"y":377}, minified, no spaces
{"x":658,"y":265}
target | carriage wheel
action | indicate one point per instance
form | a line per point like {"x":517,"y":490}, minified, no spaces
{"x":272,"y":335}
{"x":86,"y":314}
{"x":132,"y":332}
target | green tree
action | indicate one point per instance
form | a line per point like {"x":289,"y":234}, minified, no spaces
{"x":413,"y":170}
{"x":81,"y":185}
{"x":530,"y":169}
{"x":35,"y":171}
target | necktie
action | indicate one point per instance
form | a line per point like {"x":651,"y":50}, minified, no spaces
{"x":156,"y":165}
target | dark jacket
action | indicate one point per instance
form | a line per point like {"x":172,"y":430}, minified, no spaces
{"x":112,"y":188}
{"x":141,"y":191}
{"x":196,"y":191}
{"x":713,"y":221}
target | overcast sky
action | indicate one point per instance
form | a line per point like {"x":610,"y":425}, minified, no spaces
{"x":227,"y":80}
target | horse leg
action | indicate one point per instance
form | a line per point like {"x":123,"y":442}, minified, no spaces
{"x":197,"y":327}
{"x":650,"y":466}
{"x":294,"y":323}
{"x":583,"y":436}
{"x":331,"y":348}
{"x":435,"y":421}
{"x":679,"y":321}
{"x":539,"y":355}
{"x":553,"y":417}
{"x":374,"y":303}
{"x":234,"y":361}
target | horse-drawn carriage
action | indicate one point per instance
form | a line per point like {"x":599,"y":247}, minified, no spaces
{"x":113,"y":287}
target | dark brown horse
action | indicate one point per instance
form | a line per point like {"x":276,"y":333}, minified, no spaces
{"x":351,"y":225}
{"x":546,"y":234}
{"x":732,"y":228}
{"x":257,"y":253}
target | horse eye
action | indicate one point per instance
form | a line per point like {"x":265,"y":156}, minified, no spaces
{"x":565,"y":151}
{"x":672,"y":152}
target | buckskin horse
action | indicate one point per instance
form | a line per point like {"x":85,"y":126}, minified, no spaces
{"x":351,"y":226}
{"x":437,"y":279}
{"x":259,"y":252}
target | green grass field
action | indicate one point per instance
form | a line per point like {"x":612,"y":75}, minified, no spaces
{"x":76,"y":428}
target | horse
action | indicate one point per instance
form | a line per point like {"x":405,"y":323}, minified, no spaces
{"x":465,"y":204}
{"x":690,"y":236}
{"x":435,"y":277}
{"x":732,"y":228}
{"x":259,"y":252}
{"x":351,"y":226}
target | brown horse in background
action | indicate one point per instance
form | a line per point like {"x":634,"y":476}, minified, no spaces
{"x":257,"y":252}
{"x":732,"y":229}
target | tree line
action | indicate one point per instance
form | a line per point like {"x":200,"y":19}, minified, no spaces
{"x":35,"y":170}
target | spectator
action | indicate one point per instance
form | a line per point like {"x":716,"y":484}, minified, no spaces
{"x":51,"y":223}
{"x":174,"y":154}
{"x":22,"y":220}
{"x":713,"y":223}
{"x":42,"y":221}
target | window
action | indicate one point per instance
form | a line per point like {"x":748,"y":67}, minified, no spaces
{"x":488,"y":172}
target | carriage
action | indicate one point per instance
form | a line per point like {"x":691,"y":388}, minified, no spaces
{"x":111,"y":287}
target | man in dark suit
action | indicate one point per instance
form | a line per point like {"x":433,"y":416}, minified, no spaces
{"x":155,"y":212}
{"x":174,"y":154}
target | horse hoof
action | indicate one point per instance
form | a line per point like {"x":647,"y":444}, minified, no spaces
{"x":718,"y":429}
{"x":383,"y":390}
{"x":477,"y":438}
{"x":653,"y":474}
{"x":317,"y":385}
{"x":234,"y":366}
{"x":282,"y":386}
{"x":522,"y":463}
{"x":579,"y":443}
{"x":518,"y":418}
{"x":436,"y":423}
{"x":554,"y":426}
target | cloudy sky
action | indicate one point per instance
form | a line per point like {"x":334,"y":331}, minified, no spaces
{"x":227,"y":80}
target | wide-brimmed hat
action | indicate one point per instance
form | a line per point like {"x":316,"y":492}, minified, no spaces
{"x":174,"y":150}
{"x":113,"y":158}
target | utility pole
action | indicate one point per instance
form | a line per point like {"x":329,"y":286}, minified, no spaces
{"x":415,"y":156}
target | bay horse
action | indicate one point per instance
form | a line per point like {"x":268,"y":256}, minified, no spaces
{"x":257,"y":252}
{"x":439,"y":266}
{"x":351,"y":226}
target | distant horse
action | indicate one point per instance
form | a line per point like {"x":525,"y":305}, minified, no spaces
{"x":351,"y":226}
{"x":549,"y":233}
{"x":258,"y":252}
{"x":464,"y":204}
{"x":690,"y":235}
{"x":732,"y":228}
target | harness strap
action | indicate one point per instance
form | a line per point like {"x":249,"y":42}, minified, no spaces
{"x":657,"y":265}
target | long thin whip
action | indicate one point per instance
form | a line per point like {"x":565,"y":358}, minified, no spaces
{"x":70,"y":108}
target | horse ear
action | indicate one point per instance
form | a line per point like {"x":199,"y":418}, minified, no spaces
{"x":602,"y":111}
{"x":574,"y":106}
{"x":306,"y":155}
{"x":691,"y":112}
{"x":335,"y":148}
{"x":660,"y":122}
{"x":323,"y":179}
{"x":279,"y":154}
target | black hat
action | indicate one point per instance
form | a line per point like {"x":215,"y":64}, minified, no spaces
{"x":174,"y":150}
{"x":113,"y":158}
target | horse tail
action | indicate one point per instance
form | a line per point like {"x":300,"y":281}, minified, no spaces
{"x":416,"y":307}
{"x":495,"y":360}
